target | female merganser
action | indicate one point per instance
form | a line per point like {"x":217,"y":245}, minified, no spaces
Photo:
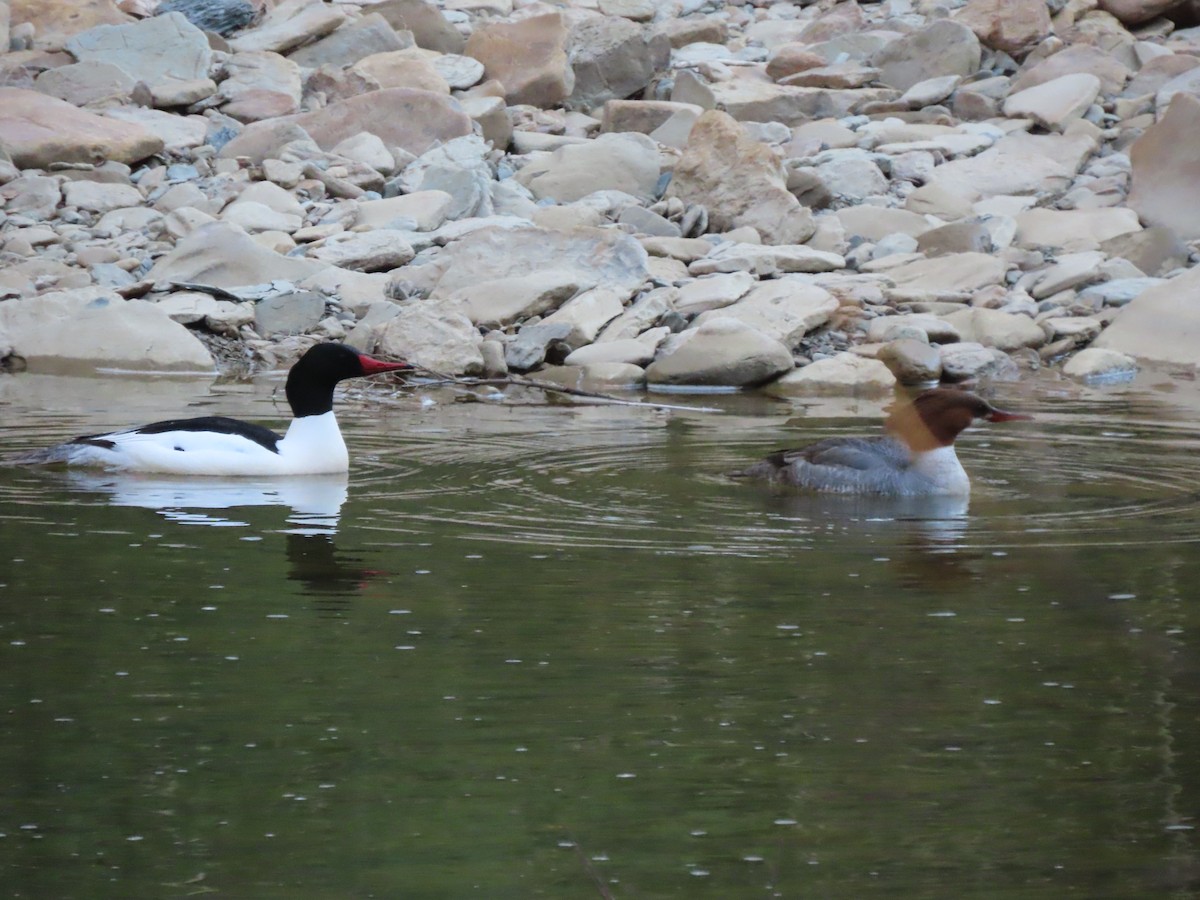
{"x":915,"y":458}
{"x":217,"y":445}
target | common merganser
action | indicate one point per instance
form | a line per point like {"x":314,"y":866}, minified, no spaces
{"x":915,"y":458}
{"x":217,"y":445}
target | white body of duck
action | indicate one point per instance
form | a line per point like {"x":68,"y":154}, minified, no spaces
{"x":221,"y":446}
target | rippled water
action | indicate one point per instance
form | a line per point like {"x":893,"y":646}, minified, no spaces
{"x":550,"y":650}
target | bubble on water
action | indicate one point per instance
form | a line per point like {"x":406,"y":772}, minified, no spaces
{"x":627,"y":775}
{"x":399,"y":612}
{"x":942,"y":614}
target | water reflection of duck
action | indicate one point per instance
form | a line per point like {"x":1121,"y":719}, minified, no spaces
{"x":218,"y":445}
{"x":915,"y":458}
{"x":315,"y":500}
{"x":315,"y":562}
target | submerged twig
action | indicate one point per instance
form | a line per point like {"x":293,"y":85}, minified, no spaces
{"x":591,"y":870}
{"x":549,"y":387}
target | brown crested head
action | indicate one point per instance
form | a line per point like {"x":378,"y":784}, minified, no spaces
{"x":935,"y":418}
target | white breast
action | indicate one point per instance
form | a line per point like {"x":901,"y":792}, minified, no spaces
{"x":942,"y":470}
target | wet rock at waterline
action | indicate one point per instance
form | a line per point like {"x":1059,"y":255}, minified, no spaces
{"x":831,"y":196}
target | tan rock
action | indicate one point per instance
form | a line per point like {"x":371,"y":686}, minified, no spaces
{"x":427,"y":335}
{"x":784,"y":308}
{"x":587,"y":313}
{"x":739,"y":181}
{"x":911,"y":361}
{"x":528,"y":57}
{"x":54,"y":21}
{"x":401,"y":68}
{"x":1163,"y":178}
{"x":402,"y":117}
{"x":38,"y":130}
{"x":1160,"y":324}
{"x":509,"y":299}
{"x":1135,"y":12}
{"x":225,"y":256}
{"x":1072,"y":60}
{"x":845,"y":373}
{"x":611,"y":58}
{"x":91,"y":83}
{"x":157,"y":50}
{"x":1018,"y":164}
{"x":993,"y":328}
{"x":1069,"y":230}
{"x":943,"y":47}
{"x":288,"y":25}
{"x":957,"y":273}
{"x":1100,"y":364}
{"x":1014,"y":26}
{"x":1056,"y":103}
{"x":627,"y":162}
{"x":367,"y":36}
{"x":721,"y":352}
{"x":429,"y":27}
{"x":81,"y":330}
{"x":788,"y":59}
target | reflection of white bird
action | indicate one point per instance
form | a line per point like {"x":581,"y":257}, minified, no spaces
{"x":315,"y":500}
{"x":218,"y":445}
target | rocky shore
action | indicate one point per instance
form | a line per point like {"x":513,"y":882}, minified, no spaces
{"x":828,"y":196}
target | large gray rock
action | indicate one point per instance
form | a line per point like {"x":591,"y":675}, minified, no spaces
{"x":260,"y":85}
{"x":156,"y":50}
{"x":502,"y":301}
{"x":941,"y":48}
{"x":588,"y":256}
{"x":371,"y":251}
{"x":617,"y":162}
{"x":288,"y":25}
{"x":740,"y":181}
{"x":613,"y":58}
{"x":721,"y":352}
{"x":90,"y":83}
{"x":1160,"y":324}
{"x":223,"y":255}
{"x":1056,"y":103}
{"x":439,"y":339}
{"x":1018,"y":164}
{"x":80,"y":331}
{"x":994,"y":328}
{"x":350,"y":43}
{"x":784,"y":309}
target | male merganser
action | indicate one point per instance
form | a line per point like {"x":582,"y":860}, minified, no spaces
{"x":217,"y":445}
{"x":915,"y":458}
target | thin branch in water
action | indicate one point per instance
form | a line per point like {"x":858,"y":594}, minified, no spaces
{"x":591,"y":870}
{"x":549,"y":387}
